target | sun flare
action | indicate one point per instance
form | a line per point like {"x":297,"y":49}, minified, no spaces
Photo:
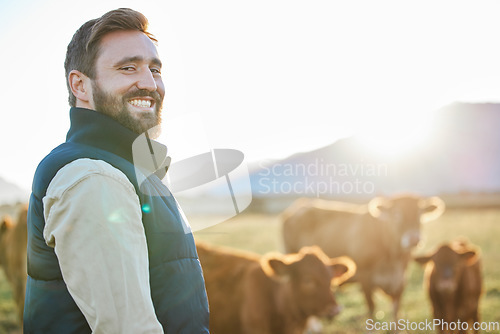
{"x":396,"y":135}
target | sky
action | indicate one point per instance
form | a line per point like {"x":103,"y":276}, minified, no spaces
{"x":267,"y":77}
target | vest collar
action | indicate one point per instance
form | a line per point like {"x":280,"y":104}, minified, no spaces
{"x":95,"y":129}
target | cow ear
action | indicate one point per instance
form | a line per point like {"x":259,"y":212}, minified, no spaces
{"x":342,"y":268}
{"x":7,"y":223}
{"x":469,"y":257}
{"x":422,"y":259}
{"x":431,"y":208}
{"x":275,"y":268}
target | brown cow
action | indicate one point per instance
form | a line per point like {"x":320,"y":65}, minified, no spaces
{"x":274,"y":294}
{"x":379,"y":237}
{"x":13,"y":243}
{"x":453,"y":280}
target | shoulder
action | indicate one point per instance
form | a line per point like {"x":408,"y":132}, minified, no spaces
{"x":52,"y":163}
{"x":97,"y":173}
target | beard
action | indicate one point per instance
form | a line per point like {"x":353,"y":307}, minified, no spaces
{"x":116,"y":107}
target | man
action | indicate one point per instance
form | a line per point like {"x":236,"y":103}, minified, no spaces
{"x":109,"y":252}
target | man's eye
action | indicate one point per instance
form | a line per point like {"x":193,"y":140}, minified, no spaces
{"x":156,"y":71}
{"x":127,"y":68}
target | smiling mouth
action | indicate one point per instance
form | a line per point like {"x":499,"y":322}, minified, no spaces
{"x":142,"y":103}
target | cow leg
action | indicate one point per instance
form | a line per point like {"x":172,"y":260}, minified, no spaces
{"x":396,"y":303}
{"x":368,"y":291}
{"x":463,"y":331}
{"x":19,"y":298}
{"x":475,"y":317}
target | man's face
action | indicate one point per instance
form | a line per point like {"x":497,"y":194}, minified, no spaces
{"x":128,"y":85}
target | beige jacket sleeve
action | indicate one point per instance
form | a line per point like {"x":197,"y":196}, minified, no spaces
{"x":94,"y":222}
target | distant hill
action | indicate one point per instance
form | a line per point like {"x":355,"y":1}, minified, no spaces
{"x":462,"y":156}
{"x":11,"y":193}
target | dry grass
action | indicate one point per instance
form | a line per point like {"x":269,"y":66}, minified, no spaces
{"x":260,"y":233}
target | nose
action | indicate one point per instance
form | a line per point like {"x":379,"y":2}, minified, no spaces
{"x":410,"y":239}
{"x":146,"y":80}
{"x":333,"y":310}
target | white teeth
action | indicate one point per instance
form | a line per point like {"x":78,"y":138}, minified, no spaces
{"x":141,"y":103}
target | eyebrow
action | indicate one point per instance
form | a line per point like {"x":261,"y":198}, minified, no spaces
{"x":134,"y":59}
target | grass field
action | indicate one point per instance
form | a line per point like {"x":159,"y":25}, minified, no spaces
{"x":261,"y":233}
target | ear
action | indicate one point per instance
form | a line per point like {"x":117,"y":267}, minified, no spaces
{"x":469,"y":257}
{"x":431,"y":208}
{"x":342,"y":268}
{"x":275,"y":268}
{"x":81,"y":88}
{"x":278,"y":267}
{"x":422,"y":259}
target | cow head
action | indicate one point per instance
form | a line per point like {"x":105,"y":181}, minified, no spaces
{"x":402,"y":216}
{"x":447,"y":265}
{"x":308,"y":276}
{"x":6,"y":226}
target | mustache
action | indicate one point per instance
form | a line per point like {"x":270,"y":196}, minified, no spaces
{"x":143,"y":92}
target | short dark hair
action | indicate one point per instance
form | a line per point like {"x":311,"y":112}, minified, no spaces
{"x":83,"y":49}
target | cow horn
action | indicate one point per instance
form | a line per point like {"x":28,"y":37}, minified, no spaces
{"x":432,"y":208}
{"x":344,"y":268}
{"x":375,"y":204}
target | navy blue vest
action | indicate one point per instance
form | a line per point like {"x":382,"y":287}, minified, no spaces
{"x":177,"y":285}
